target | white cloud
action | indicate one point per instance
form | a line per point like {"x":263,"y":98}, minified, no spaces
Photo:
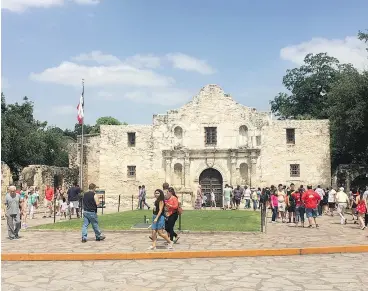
{"x":64,"y":110}
{"x":188,"y":63}
{"x":348,"y":50}
{"x":98,"y":57}
{"x":133,"y":78}
{"x":144,"y":61}
{"x":4,"y":83}
{"x":20,"y":6}
{"x":68,"y":73}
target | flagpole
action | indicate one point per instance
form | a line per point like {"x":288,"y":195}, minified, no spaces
{"x":82,"y":143}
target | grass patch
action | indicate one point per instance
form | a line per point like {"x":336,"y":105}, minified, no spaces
{"x":205,"y":220}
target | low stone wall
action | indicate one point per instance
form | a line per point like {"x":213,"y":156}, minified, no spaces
{"x":41,"y":175}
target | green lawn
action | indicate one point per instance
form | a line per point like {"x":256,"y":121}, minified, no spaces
{"x":205,"y":220}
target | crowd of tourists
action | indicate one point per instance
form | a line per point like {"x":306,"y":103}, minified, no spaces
{"x":22,"y":204}
{"x":291,"y":204}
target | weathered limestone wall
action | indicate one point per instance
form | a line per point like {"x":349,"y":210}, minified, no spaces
{"x":251,"y":149}
{"x":41,"y":175}
{"x":311,"y":150}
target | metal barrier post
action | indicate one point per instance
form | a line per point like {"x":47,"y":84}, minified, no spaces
{"x":54,"y":209}
{"x":181,"y":204}
{"x":119,"y":204}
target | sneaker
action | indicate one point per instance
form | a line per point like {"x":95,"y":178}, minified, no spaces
{"x":84,"y":240}
{"x":151,"y":248}
{"x":170,"y":246}
{"x":101,"y":238}
{"x":176,"y":239}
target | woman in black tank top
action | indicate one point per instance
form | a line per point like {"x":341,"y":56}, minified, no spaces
{"x":158,"y":220}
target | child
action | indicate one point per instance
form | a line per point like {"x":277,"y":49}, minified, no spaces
{"x":63,"y":209}
{"x":24,"y":210}
{"x":32,"y":202}
{"x":213,"y":201}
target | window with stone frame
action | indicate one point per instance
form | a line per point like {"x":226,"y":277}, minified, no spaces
{"x":290,"y":135}
{"x":131,"y":139}
{"x":210,"y":137}
{"x":131,"y":171}
{"x":295,"y":170}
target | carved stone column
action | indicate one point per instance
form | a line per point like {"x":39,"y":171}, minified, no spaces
{"x":253,"y":166}
{"x":168,"y":170}
{"x":187,"y":173}
{"x":233,"y":169}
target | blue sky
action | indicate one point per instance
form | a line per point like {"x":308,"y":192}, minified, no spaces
{"x":142,"y":57}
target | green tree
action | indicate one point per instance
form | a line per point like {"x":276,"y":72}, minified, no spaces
{"x":308,"y":85}
{"x":105,"y":120}
{"x":363,"y":36}
{"x":25,"y":140}
{"x":348,"y":115}
{"x":322,"y":88}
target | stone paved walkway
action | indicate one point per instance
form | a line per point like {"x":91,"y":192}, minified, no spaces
{"x":279,"y":235}
{"x":324,"y":272}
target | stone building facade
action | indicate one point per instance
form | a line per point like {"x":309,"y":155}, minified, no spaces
{"x":212,"y":141}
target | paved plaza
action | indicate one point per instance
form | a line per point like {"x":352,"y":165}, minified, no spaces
{"x":279,"y":235}
{"x":324,"y":272}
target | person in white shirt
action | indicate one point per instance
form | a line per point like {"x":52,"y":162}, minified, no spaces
{"x":247,"y":196}
{"x":321,"y":194}
{"x":342,"y":201}
{"x":213,"y":200}
{"x":331,"y":201}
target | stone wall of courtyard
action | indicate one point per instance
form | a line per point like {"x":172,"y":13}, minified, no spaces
{"x":40,"y":176}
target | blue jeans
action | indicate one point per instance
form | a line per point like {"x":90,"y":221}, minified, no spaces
{"x":274,"y":213}
{"x":255,"y":204}
{"x":299,"y":213}
{"x":90,"y":218}
{"x":247,"y":203}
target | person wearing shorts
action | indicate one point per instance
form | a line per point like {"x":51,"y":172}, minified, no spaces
{"x":331,"y":201}
{"x":48,"y":202}
{"x":158,"y":220}
{"x":311,"y":200}
{"x":73,"y":198}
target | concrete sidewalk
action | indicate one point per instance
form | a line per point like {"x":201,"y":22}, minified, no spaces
{"x":278,"y":236}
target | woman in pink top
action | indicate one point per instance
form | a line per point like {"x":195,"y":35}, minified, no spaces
{"x":274,"y":206}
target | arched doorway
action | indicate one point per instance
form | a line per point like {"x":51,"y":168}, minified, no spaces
{"x":212,"y":179}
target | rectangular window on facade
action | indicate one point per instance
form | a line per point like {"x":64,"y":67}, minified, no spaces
{"x":210,"y":135}
{"x":131,"y":139}
{"x":290,"y":135}
{"x":258,"y":140}
{"x":294,"y":170}
{"x":131,"y":172}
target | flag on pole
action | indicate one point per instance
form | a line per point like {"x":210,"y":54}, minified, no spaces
{"x":80,"y":108}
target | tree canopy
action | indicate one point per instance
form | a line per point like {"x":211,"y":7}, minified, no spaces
{"x":25,"y":140}
{"x":323,"y":88}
